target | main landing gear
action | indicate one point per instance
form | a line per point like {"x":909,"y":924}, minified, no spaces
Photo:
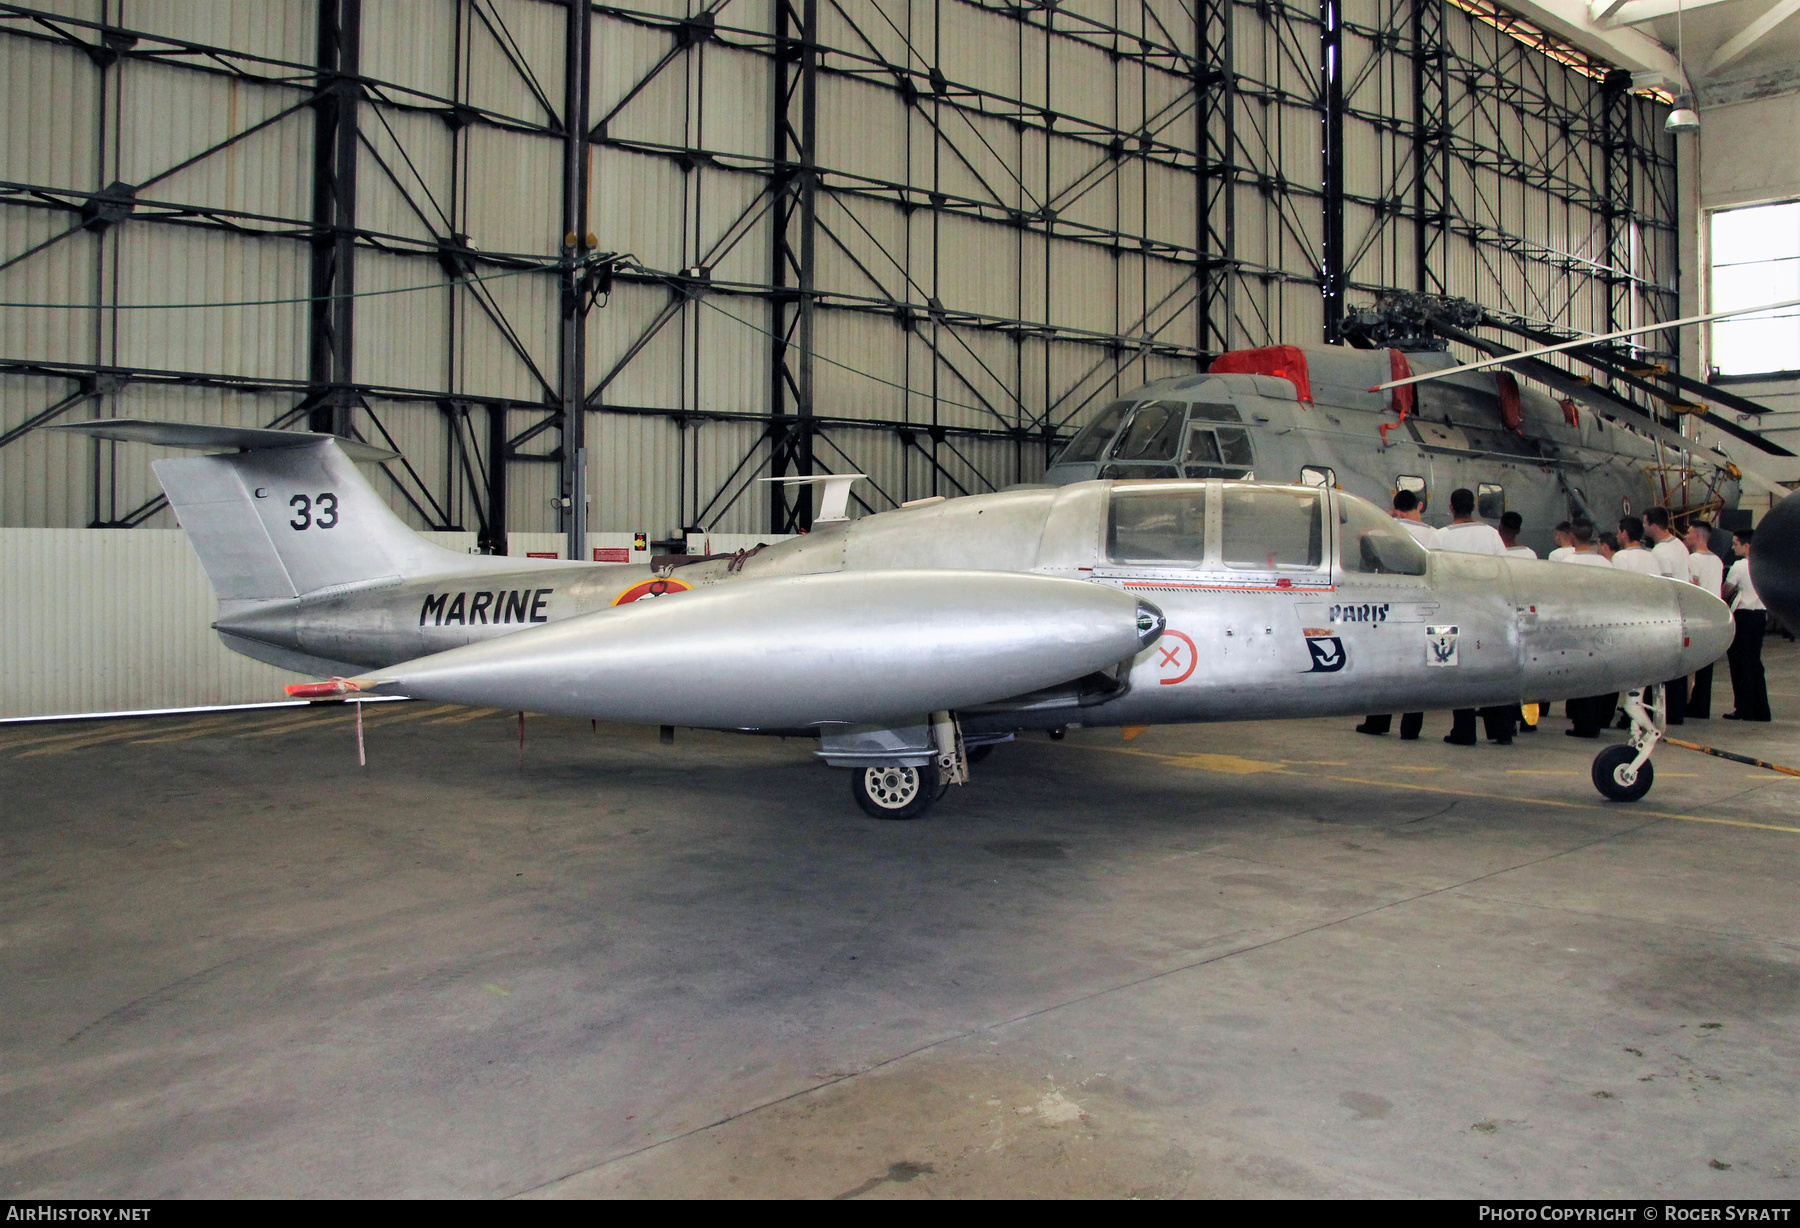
{"x":897,"y":792}
{"x":1623,"y":773}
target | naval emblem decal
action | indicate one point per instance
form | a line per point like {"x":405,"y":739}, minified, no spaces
{"x":1440,"y":645}
{"x":1327,"y":650}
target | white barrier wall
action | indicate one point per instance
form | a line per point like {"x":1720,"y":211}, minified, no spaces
{"x":110,"y":620}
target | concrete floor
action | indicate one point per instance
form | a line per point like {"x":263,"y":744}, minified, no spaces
{"x":1277,"y":959}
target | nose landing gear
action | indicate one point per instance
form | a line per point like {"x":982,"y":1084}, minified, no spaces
{"x":1623,"y":773}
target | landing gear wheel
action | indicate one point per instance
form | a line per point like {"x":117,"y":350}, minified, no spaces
{"x":1612,"y":774}
{"x":896,"y":792}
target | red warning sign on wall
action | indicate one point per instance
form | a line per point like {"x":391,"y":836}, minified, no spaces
{"x":611,"y":554}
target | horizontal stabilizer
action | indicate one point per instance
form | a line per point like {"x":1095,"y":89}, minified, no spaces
{"x":216,"y":438}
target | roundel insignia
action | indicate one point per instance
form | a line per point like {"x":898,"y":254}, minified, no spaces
{"x":651,"y":588}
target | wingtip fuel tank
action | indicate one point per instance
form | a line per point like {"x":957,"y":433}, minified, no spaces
{"x":849,"y":647}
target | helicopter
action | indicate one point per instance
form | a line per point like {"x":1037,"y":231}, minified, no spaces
{"x":1326,"y":416}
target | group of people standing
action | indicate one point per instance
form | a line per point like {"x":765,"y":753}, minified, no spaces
{"x":1687,"y":558}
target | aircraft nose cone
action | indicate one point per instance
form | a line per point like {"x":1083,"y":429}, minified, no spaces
{"x":1706,"y":627}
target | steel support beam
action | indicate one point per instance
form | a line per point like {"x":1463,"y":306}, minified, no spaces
{"x":1215,"y":146}
{"x":794,"y":219}
{"x":573,"y":379}
{"x":1431,"y":145}
{"x":1333,"y":275}
{"x":331,"y":343}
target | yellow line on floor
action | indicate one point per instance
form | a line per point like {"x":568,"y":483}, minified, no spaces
{"x":80,"y":741}
{"x":1622,"y":810}
{"x":64,"y":734}
{"x":1541,"y":772}
{"x":310,"y":720}
{"x":342,"y":714}
{"x":460,"y":717}
{"x":408,"y":712}
{"x":199,"y":731}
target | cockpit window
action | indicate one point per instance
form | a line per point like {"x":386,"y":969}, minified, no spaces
{"x":1205,"y":411}
{"x":1218,"y":452}
{"x":1092,"y":441}
{"x":1154,"y":432}
{"x":1372,"y":544}
{"x":1157,"y":526}
{"x":1271,"y":529}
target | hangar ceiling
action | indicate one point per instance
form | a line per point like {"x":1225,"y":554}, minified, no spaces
{"x":630,"y":259}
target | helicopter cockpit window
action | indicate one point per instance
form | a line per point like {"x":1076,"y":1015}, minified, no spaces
{"x":1373,"y":544}
{"x":1271,"y":529}
{"x":1154,"y":431}
{"x":1490,"y":501}
{"x":1207,"y":411}
{"x":1157,"y":526}
{"x":1218,"y":451}
{"x":1092,"y":441}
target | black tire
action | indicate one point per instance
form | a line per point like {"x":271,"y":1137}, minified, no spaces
{"x":896,"y":792}
{"x":979,"y":753}
{"x":1058,"y":734}
{"x":1606,"y":774}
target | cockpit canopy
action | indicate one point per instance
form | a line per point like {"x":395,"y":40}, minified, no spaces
{"x":1254,"y":527}
{"x":1165,"y":439}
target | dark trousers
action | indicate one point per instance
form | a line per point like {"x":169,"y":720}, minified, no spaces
{"x":1592,"y":714}
{"x":1410,"y":723}
{"x":1699,"y":700}
{"x":1675,"y":699}
{"x":1749,"y":686}
{"x":1496,"y":722}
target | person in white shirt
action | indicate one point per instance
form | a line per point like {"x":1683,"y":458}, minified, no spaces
{"x":1749,"y":685}
{"x":1465,"y":534}
{"x":1586,"y":550}
{"x":1406,"y":511}
{"x":1510,"y":524}
{"x":1670,"y":554}
{"x":1672,"y":559}
{"x":1705,"y":570}
{"x":1563,"y":536}
{"x":1632,"y":556}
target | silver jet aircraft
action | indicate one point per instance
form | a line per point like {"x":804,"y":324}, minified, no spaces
{"x":908,"y":640}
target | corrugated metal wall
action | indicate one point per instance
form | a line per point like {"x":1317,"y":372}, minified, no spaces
{"x":1008,"y":226}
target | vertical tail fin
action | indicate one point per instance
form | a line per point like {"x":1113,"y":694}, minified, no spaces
{"x":289,"y":516}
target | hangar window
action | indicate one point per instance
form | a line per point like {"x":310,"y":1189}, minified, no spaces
{"x":1373,"y":544}
{"x":1756,"y":260}
{"x":1273,"y":529}
{"x":1154,"y":431}
{"x":1157,"y":526}
{"x":1092,"y":441}
{"x":1218,"y":452}
{"x":1490,"y":501}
